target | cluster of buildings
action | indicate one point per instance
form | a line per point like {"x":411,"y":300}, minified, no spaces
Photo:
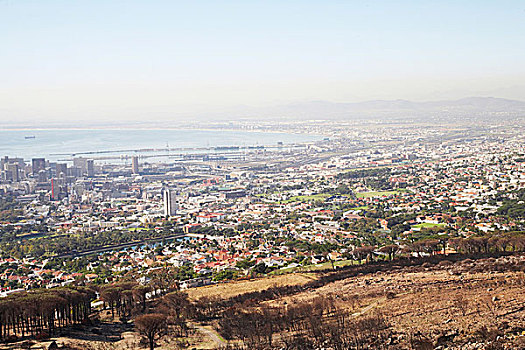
{"x":269,"y":209}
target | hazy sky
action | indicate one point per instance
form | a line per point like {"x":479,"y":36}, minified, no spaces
{"x":100,"y":58}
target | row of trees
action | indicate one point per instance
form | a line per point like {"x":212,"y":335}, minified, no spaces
{"x":319,"y":323}
{"x":172,"y":313}
{"x":125,"y":298}
{"x":496,"y":243}
{"x":42,"y":311}
{"x":305,"y":325}
{"x":309,"y":325}
{"x":514,"y":242}
{"x":128,"y":297}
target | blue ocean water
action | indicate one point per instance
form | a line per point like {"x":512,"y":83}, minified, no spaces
{"x":53,"y":144}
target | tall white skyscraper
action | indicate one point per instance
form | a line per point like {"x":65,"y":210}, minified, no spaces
{"x":170,"y":205}
{"x":135,"y":165}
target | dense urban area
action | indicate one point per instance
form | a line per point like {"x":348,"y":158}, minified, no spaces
{"x":291,"y":246}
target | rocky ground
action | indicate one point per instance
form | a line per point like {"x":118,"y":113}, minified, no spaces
{"x":471,"y":304}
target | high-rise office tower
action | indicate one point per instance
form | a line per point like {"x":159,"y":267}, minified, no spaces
{"x":58,"y":187}
{"x":80,"y":163}
{"x":61,"y":168}
{"x":74,"y":171}
{"x":170,"y":204}
{"x":12,"y":172}
{"x":86,"y":166}
{"x":38,"y":164}
{"x":135,"y":164}
{"x":90,"y":165}
{"x":42,"y":176}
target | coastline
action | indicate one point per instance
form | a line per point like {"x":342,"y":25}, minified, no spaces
{"x":180,"y":128}
{"x":54,"y":142}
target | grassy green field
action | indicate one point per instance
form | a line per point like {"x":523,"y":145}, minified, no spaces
{"x":363,"y":207}
{"x":367,"y":168}
{"x":323,"y":196}
{"x":427,"y":225}
{"x":313,"y":197}
{"x":376,"y":194}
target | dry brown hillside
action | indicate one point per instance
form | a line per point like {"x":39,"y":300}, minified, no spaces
{"x":437,"y":304}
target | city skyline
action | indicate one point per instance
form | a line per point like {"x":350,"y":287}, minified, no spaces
{"x":245,"y":174}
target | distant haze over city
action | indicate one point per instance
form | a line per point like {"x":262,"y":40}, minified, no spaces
{"x":474,"y":108}
{"x":262,"y":174}
{"x":100,"y":61}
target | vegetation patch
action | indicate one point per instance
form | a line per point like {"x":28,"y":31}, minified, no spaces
{"x":427,"y":225}
{"x":231,"y":289}
{"x":376,"y":194}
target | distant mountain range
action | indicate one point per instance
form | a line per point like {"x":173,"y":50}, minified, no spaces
{"x":468,"y":110}
{"x":471,"y":107}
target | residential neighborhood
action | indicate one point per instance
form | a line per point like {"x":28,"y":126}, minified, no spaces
{"x":94,"y":221}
